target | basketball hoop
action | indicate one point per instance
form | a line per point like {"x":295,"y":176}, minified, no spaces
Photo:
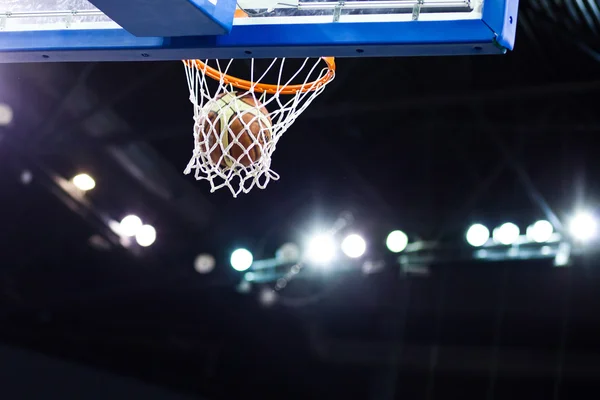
{"x":238,"y":122}
{"x":265,"y":87}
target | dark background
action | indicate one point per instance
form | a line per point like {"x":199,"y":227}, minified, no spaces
{"x":419,"y":144}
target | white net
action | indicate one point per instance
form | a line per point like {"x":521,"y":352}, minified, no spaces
{"x":237,"y":123}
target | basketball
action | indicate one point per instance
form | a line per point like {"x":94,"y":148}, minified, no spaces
{"x":235,"y":130}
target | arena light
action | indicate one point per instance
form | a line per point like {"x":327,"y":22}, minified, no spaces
{"x":396,"y":241}
{"x":84,"y":182}
{"x":477,"y":235}
{"x":321,"y":249}
{"x":130,"y":225}
{"x":583,"y":226}
{"x":540,"y":232}
{"x":506,"y":234}
{"x":26,"y":177}
{"x":6,"y":114}
{"x":204,"y":263}
{"x":267,"y":297}
{"x":241,"y":260}
{"x":145,"y":235}
{"x":354,"y":246}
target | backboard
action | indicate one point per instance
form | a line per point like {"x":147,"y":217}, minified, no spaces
{"x":141,"y":30}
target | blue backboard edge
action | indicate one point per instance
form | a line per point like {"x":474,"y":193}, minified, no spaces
{"x":501,"y":17}
{"x":357,"y":39}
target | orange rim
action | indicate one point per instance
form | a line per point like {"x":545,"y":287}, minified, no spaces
{"x":265,"y":87}
{"x":239,"y":13}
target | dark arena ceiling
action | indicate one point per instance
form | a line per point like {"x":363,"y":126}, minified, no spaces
{"x":426,"y":145}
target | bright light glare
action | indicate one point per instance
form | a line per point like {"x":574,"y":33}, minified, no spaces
{"x":241,"y":259}
{"x":130,"y":225}
{"x":540,"y":232}
{"x":321,"y":249}
{"x":354,"y":246}
{"x":477,"y":235}
{"x":84,"y":182}
{"x":396,"y":241}
{"x":583,"y":226}
{"x":146,"y":235}
{"x":506,"y":234}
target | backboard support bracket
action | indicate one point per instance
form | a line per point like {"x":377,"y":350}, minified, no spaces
{"x":501,"y":17}
{"x":338,"y":10}
{"x":417,"y":10}
{"x":170,"y":18}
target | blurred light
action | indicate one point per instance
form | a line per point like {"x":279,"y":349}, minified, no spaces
{"x":546,"y":250}
{"x":321,"y":249}
{"x":540,"y":232}
{"x":583,"y":226}
{"x":481,"y":253}
{"x":396,"y":241}
{"x":288,"y":253}
{"x":267,"y":297}
{"x":130,"y":225}
{"x":371,"y":267}
{"x":281,"y":284}
{"x":416,"y":269}
{"x":563,"y":255}
{"x":354,"y":246}
{"x":204,"y":263}
{"x":26,"y":177}
{"x":477,"y":235}
{"x":115,"y":227}
{"x":99,"y":243}
{"x":126,"y":242}
{"x":513,"y":252}
{"x":241,"y":259}
{"x":6,"y":114}
{"x":84,"y":182}
{"x":507,"y":233}
{"x":146,"y":235}
{"x":244,"y":287}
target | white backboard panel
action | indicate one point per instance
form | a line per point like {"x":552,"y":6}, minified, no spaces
{"x":31,"y":15}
